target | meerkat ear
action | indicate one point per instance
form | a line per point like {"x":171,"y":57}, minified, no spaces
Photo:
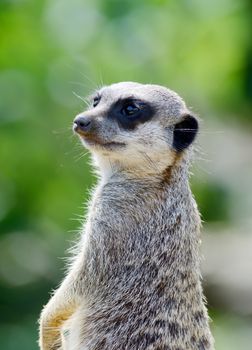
{"x":185,"y":132}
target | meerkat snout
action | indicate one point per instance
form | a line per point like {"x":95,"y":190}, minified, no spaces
{"x":82,"y":124}
{"x":136,"y":125}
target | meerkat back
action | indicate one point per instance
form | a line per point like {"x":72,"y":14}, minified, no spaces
{"x":135,"y":281}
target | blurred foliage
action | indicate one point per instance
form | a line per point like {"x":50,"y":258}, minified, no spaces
{"x":209,"y":196}
{"x":52,"y":51}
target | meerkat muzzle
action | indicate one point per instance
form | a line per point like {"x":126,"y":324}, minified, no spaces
{"x":82,"y":124}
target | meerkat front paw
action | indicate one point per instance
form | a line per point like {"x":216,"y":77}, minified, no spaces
{"x":49,"y":337}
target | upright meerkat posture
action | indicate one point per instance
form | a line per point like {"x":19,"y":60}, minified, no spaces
{"x":135,"y":282}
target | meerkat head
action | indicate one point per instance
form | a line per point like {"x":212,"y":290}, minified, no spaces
{"x":136,"y":127}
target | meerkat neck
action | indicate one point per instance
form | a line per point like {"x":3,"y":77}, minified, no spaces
{"x":110,"y":171}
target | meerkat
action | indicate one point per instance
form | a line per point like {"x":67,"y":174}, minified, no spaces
{"x":135,"y":281}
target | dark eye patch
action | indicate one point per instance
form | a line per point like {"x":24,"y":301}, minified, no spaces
{"x":131,"y":112}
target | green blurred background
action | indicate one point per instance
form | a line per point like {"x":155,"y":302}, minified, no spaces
{"x":53,"y":51}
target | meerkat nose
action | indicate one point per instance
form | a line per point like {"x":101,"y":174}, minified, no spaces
{"x":82,"y":124}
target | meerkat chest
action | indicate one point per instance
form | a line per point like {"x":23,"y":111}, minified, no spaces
{"x":133,"y":230}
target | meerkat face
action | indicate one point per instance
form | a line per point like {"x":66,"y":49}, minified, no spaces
{"x":132,"y":125}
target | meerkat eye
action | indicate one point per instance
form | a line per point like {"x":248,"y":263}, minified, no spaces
{"x":130,"y":109}
{"x":96,"y":100}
